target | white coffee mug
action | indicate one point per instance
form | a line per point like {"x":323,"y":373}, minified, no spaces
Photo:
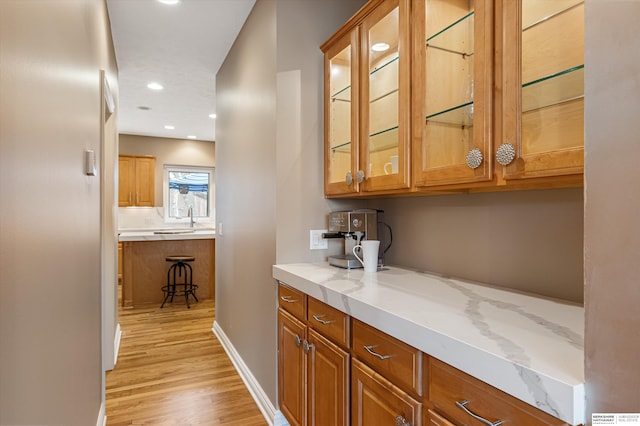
{"x":369,"y":258}
{"x":391,"y":167}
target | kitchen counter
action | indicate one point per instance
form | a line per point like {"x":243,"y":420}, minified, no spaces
{"x":527,"y":346}
{"x":144,"y":268}
{"x":166,"y":234}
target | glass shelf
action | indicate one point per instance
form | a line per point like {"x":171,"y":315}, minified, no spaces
{"x":553,"y":9}
{"x":384,"y":139}
{"x":456,"y":38}
{"x":460,"y":115}
{"x":379,"y":141}
{"x":553,"y":89}
{"x":343,"y":95}
{"x":343,"y":147}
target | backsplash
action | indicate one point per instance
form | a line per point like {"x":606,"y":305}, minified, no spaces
{"x":133,"y":218}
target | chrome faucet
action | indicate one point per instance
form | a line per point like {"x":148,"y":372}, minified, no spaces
{"x":190,"y":214}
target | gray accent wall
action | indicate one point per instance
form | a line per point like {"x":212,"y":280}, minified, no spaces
{"x":51,"y":53}
{"x":528,"y":241}
{"x":269,"y":166}
{"x":612,"y":202}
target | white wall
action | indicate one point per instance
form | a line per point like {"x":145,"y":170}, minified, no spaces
{"x":50,"y":248}
{"x":612,"y":202}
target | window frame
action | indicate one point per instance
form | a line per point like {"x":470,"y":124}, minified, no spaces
{"x":168,"y":168}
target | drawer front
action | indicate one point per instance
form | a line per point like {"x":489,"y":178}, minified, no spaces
{"x":397,"y":361}
{"x":328,"y":321}
{"x":449,"y":388}
{"x":292,"y":301}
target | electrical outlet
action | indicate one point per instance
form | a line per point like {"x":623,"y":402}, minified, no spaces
{"x":316,"y":242}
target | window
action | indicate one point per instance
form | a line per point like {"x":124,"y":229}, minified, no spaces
{"x":188,"y":187}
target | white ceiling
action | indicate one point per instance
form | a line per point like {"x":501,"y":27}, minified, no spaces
{"x":181,"y":47}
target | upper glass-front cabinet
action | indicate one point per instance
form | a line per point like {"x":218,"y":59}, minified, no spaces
{"x":543,"y":77}
{"x":367,"y":101}
{"x":452,"y":91}
{"x":385,"y":76}
{"x":341,"y":109}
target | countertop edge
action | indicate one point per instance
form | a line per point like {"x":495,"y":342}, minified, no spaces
{"x":569,"y":397}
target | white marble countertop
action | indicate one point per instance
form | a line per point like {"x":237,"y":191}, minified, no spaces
{"x":527,"y":346}
{"x":166,"y":234}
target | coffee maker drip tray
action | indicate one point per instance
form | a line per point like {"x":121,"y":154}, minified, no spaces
{"x":346,"y":261}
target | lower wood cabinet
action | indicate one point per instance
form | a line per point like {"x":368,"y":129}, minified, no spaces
{"x":313,"y":374}
{"x":463,"y":400}
{"x":327,"y":382}
{"x":377,"y":401}
{"x":291,"y":368}
{"x":434,"y":419}
{"x":334,"y":370}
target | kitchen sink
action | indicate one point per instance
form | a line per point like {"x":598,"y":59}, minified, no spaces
{"x":175,"y":231}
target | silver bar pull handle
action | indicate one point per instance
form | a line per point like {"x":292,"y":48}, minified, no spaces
{"x":462,"y":405}
{"x":370,"y":350}
{"x":288,"y":299}
{"x":297,"y":340}
{"x":320,"y":320}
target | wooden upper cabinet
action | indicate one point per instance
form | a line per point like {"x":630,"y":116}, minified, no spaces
{"x":385,"y":98}
{"x":341,"y":115}
{"x":542,"y":88}
{"x":452,"y":91}
{"x":367,"y":101}
{"x":136,"y":181}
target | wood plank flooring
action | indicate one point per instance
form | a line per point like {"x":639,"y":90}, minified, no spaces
{"x":172,"y":370}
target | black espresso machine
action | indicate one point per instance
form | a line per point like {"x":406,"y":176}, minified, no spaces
{"x":354,"y":226}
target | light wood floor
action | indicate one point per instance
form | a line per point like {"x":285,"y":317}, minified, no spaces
{"x":172,"y":370}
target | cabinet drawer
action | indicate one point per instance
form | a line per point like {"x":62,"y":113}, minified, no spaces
{"x":329,"y":321}
{"x":292,"y":301}
{"x":449,"y":387}
{"x":397,"y":361}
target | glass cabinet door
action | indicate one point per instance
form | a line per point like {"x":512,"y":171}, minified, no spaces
{"x":385,"y":97}
{"x":341,"y":108}
{"x":452,"y":91}
{"x":544,"y":77}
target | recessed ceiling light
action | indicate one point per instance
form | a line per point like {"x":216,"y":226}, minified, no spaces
{"x":155,"y":86}
{"x":169,"y":127}
{"x":380,"y":47}
{"x":191,"y":137}
{"x":169,"y":1}
{"x":212,"y":115}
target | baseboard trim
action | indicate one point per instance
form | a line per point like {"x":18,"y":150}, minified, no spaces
{"x":116,"y":344}
{"x":102,"y":416}
{"x":273,"y":417}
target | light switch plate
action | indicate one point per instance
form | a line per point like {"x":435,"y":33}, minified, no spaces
{"x":316,"y":242}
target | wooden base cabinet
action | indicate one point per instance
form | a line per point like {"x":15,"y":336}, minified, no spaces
{"x":376,"y":401}
{"x":464,"y":400}
{"x":291,"y":368}
{"x":313,"y":371}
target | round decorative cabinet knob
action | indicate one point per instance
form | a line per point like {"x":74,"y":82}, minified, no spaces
{"x":505,"y":154}
{"x":348,"y":178}
{"x":474,"y":158}
{"x":359,"y":176}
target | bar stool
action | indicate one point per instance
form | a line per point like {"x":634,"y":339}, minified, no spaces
{"x":179,"y":279}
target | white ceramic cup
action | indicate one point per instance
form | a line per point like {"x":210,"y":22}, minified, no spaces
{"x":369,"y":258}
{"x":391,"y":167}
